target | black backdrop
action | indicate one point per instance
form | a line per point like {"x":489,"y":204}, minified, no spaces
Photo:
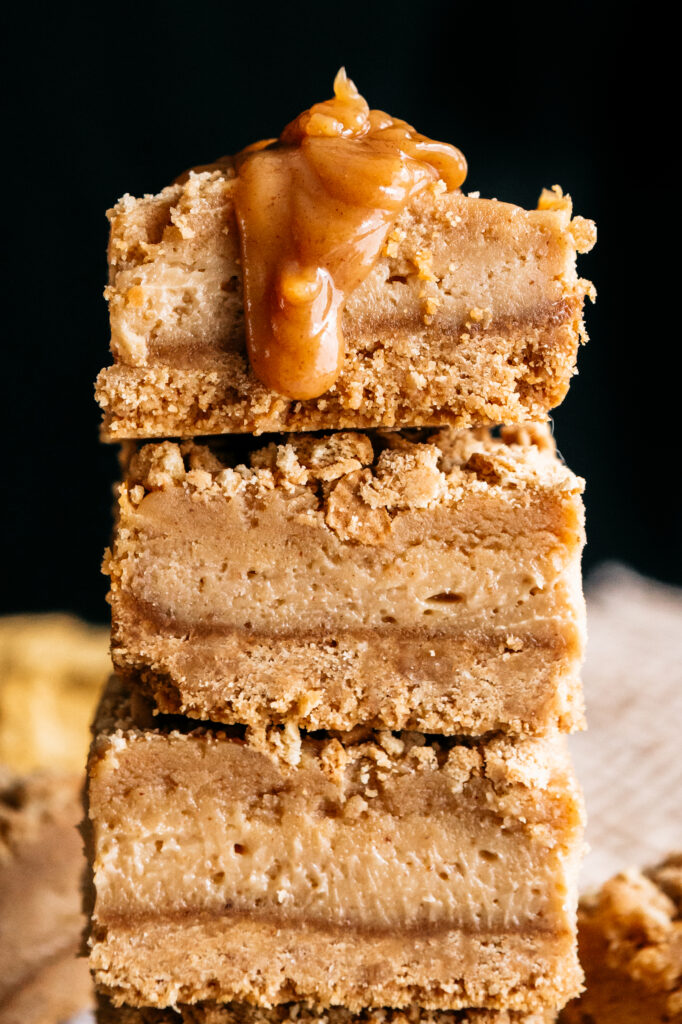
{"x":104,"y":100}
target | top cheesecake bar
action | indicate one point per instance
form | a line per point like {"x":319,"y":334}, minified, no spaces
{"x":338,"y":278}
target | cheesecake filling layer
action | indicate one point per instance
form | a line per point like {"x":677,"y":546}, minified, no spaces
{"x":369,"y":831}
{"x":209,"y":565}
{"x":379,"y":872}
{"x":452,"y":529}
{"x":361,"y":868}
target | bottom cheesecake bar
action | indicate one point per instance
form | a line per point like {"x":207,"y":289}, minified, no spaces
{"x":300,"y":1013}
{"x":359,"y":869}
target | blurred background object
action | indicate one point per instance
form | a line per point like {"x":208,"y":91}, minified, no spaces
{"x":42,"y":980}
{"x":52,"y":668}
{"x":629,"y":760}
{"x":108,"y":100}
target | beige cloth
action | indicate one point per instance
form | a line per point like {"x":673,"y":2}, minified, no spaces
{"x":630,"y":759}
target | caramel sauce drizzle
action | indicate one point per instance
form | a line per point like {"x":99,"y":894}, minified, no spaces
{"x":314,"y":208}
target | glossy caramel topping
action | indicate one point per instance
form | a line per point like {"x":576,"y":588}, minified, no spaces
{"x":314,"y":209}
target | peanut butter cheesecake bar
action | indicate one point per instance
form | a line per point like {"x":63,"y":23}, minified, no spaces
{"x":362,"y":869}
{"x":630,"y":939}
{"x":426,"y":581}
{"x":300,"y":1013}
{"x":338,"y":278}
{"x":41,"y":864}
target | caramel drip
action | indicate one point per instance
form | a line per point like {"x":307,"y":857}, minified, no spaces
{"x":314,"y":208}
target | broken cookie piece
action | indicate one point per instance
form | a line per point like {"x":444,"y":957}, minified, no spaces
{"x":41,"y":863}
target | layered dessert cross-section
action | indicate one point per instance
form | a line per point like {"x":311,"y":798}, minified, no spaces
{"x":362,"y":869}
{"x":300,"y":1013}
{"x":52,"y":669}
{"x":427,"y":581}
{"x":338,"y":278}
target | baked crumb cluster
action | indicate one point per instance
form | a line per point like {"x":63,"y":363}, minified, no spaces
{"x":390,"y":471}
{"x":641,"y":915}
{"x":631,"y":947}
{"x":52,"y":668}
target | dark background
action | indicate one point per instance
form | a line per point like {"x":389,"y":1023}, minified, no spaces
{"x":107,"y":100}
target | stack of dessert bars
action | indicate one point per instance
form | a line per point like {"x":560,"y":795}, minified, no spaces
{"x":329,"y":779}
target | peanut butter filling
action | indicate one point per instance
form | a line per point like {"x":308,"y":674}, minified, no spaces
{"x":314,"y":209}
{"x":360,"y":830}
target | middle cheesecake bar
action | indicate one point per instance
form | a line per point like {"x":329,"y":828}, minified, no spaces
{"x":421,"y":580}
{"x":363,"y":869}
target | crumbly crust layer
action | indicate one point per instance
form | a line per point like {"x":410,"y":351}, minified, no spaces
{"x":361,"y":868}
{"x":471,"y":316}
{"x":475,"y":682}
{"x":244,"y":961}
{"x":630,"y":935}
{"x":290,"y":1013}
{"x":426,"y":581}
